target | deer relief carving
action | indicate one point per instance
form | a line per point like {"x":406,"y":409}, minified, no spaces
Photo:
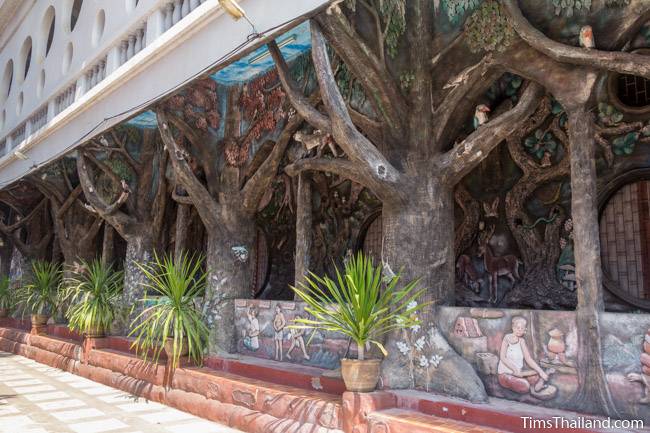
{"x":497,"y":266}
{"x":468,"y":273}
{"x":491,"y":209}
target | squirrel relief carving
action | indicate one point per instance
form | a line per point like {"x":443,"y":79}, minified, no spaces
{"x":317,"y":140}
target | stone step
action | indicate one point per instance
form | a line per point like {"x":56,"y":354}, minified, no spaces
{"x":407,"y":421}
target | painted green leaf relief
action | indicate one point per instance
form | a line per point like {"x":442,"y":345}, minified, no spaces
{"x":624,"y":145}
{"x":456,"y":9}
{"x":488,"y":29}
{"x":608,"y":114}
{"x":569,"y":7}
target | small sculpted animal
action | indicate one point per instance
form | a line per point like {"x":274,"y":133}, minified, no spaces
{"x":587,"y":37}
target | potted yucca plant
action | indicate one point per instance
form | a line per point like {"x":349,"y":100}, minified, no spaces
{"x":93,"y":292}
{"x":362,"y":305}
{"x":41,"y":293}
{"x":173,"y":323}
{"x":6,"y":297}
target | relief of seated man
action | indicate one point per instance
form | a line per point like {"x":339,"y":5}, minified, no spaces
{"x":517,"y":370}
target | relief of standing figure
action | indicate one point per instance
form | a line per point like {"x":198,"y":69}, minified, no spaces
{"x":251,"y":339}
{"x":279,"y":322}
{"x":298,"y":340}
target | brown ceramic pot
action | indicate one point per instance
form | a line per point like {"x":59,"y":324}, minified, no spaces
{"x":169,"y":348}
{"x":360,"y":376}
{"x":39,"y":319}
{"x":95,"y":332}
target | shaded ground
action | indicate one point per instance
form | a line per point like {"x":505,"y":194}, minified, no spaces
{"x":36,"y":398}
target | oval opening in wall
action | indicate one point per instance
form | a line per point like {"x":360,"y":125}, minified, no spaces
{"x":47,"y":29}
{"x":7,"y":79}
{"x":41,"y":83}
{"x":19,"y":104}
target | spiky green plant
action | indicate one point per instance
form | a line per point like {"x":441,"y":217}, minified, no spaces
{"x":366,"y":306}
{"x":41,"y":294}
{"x":93,"y":292}
{"x":175,"y":316}
{"x":6,"y":297}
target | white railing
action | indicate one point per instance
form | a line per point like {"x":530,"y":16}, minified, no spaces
{"x":65,"y":99}
{"x":18,"y":134}
{"x":38,"y":120}
{"x":160,"y":17}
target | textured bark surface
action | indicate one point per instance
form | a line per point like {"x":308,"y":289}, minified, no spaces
{"x":137,"y":207}
{"x":593,"y":394}
{"x":303,"y":228}
{"x":226,"y":197}
{"x":430,"y":209}
{"x":229,"y":278}
{"x":539,"y":249}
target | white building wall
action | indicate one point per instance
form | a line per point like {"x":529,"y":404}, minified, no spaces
{"x":143,"y":51}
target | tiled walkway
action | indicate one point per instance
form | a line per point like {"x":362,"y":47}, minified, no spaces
{"x":36,"y":398}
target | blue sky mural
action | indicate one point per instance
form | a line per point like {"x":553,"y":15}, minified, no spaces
{"x":292,"y":44}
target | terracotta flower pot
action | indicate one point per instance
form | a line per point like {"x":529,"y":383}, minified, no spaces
{"x":360,"y":376}
{"x":95,"y":332}
{"x":169,"y":348}
{"x":39,"y":324}
{"x":39,"y":319}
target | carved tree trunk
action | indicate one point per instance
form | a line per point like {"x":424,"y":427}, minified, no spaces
{"x":540,"y":250}
{"x":139,"y":250}
{"x":593,"y":394}
{"x":182,"y":222}
{"x":303,"y":229}
{"x":230,"y":270}
{"x":108,"y":244}
{"x":417,"y":236}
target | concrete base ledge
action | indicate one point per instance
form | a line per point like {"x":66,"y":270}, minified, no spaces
{"x":249,"y":403}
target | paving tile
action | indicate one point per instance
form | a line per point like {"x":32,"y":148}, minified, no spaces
{"x":99,"y":390}
{"x":49,"y":400}
{"x":71,"y":415}
{"x":47,"y":396}
{"x":23,"y":382}
{"x":168,"y":415}
{"x":119,"y":398}
{"x":33,"y":389}
{"x":106,"y":424}
{"x":199,"y":426}
{"x":60,"y":404}
{"x":8,"y":410}
{"x":140,"y":407}
{"x":84,"y":384}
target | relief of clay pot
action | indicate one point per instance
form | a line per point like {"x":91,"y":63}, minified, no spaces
{"x":556,"y":345}
{"x":556,"y":342}
{"x":360,"y":376}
